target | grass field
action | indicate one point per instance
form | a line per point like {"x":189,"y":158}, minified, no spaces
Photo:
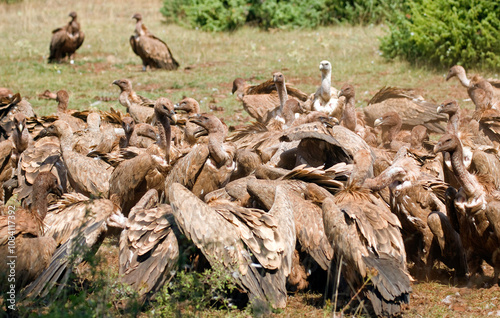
{"x":209,"y":64}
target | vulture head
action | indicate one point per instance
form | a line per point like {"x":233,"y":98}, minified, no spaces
{"x":389,"y":119}
{"x":19,"y":122}
{"x":164,"y":108}
{"x":209,"y":122}
{"x":62,"y":97}
{"x":449,"y":107}
{"x":58,"y":129}
{"x":447,"y":143}
{"x":123,"y":84}
{"x":72,"y":14}
{"x":347,"y":91}
{"x":238,"y":86}
{"x":137,"y":17}
{"x":279,"y":79}
{"x":45,"y":183}
{"x":128,"y":125}
{"x":325,"y":66}
{"x":189,"y":105}
{"x":456,"y":70}
{"x":418,"y":136}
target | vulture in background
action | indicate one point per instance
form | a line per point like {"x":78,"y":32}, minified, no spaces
{"x":412,"y":108}
{"x":153,"y":51}
{"x":474,"y":85}
{"x":66,"y":40}
{"x":139,"y":107}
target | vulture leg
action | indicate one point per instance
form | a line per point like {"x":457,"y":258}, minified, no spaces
{"x":451,"y":250}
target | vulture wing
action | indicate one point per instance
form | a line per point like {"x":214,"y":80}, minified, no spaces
{"x":148,"y":246}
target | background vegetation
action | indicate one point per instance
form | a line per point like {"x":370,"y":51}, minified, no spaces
{"x":209,"y":63}
{"x":433,"y":32}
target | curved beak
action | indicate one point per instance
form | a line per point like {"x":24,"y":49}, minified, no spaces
{"x":440,"y":109}
{"x":378,"y":122}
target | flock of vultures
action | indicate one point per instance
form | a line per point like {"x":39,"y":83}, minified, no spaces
{"x":314,"y":191}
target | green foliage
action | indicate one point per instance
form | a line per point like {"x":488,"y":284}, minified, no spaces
{"x":446,"y":33}
{"x":227,"y":15}
{"x":194,"y":292}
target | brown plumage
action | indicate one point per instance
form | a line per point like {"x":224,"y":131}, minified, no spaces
{"x":64,"y":113}
{"x":411,"y":107}
{"x":9,"y":107}
{"x":78,"y":225}
{"x":152,"y":51}
{"x":476,"y":87}
{"x":477,"y":207}
{"x":140,"y":135}
{"x":66,"y":40}
{"x":417,"y":199}
{"x":241,"y":240}
{"x":261,"y":100}
{"x":139,"y":107}
{"x":206,"y":167}
{"x":148,"y":245}
{"x":86,"y":175}
{"x":392,"y":135}
{"x":365,"y":235}
{"x":33,"y":250}
{"x":134,"y":177}
{"x":191,"y":107}
{"x":7,"y":164}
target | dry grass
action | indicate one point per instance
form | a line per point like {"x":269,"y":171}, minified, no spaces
{"x":209,"y":63}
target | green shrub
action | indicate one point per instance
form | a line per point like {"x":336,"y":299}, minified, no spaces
{"x":208,"y":15}
{"x":226,"y":15}
{"x":447,"y":32}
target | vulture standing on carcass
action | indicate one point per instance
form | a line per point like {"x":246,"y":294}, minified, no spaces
{"x":326,"y":98}
{"x":32,"y":249}
{"x":412,"y":108}
{"x":477,"y":206}
{"x":153,"y":51}
{"x":366,"y":239}
{"x":66,"y":40}
{"x":140,"y":108}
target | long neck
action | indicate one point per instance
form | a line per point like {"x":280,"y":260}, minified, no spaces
{"x":138,"y":28}
{"x":453,"y":122}
{"x":463,"y":79}
{"x":283,"y":96}
{"x":392,"y":132}
{"x":349,"y":116}
{"x":216,"y":147}
{"x":326,"y":84}
{"x":468,"y":182}
{"x":62,"y":106}
{"x":66,"y":140}
{"x":39,"y":206}
{"x":383,"y":179}
{"x":165,"y":132}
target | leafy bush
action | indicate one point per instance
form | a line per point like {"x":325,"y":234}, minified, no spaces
{"x":224,"y":15}
{"x":447,"y":32}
